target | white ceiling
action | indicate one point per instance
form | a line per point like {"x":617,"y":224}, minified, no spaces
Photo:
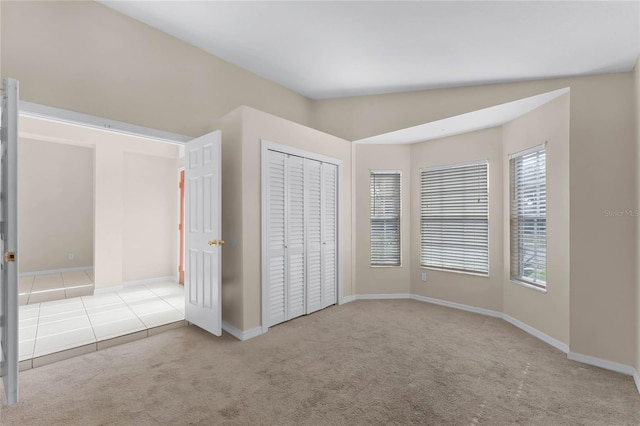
{"x":325,"y":49}
{"x":485,"y":118}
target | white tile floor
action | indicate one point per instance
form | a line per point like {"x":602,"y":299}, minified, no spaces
{"x":45,"y":288}
{"x":54,"y":330}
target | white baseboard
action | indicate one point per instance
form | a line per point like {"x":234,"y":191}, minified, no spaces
{"x":135,"y":283}
{"x":382,"y":296}
{"x":55,"y":271}
{"x":347,"y":299}
{"x":602,"y":363}
{"x":239,"y":334}
{"x":537,"y":333}
{"x":462,"y":307}
{"x":171,"y":278}
{"x":106,"y":290}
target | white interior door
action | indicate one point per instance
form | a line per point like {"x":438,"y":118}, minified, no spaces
{"x":329,"y":234}
{"x":9,"y":238}
{"x":203,"y":244}
{"x":313,"y":196}
{"x":276,"y":237}
{"x":295,"y":237}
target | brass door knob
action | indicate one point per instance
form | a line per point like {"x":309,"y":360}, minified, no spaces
{"x":221,"y":242}
{"x":212,"y":242}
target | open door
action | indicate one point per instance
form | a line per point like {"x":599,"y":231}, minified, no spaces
{"x":203,"y":244}
{"x":9,"y":240}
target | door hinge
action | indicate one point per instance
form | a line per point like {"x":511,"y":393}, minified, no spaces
{"x":9,"y":256}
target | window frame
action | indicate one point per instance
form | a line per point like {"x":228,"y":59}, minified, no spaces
{"x":452,"y":167}
{"x":373,"y":172}
{"x":518,"y":277}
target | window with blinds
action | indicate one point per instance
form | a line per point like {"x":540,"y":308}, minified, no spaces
{"x":385,"y":218}
{"x":454,"y":220}
{"x":529,"y":217}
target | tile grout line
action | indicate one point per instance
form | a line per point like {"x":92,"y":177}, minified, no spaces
{"x":133,"y":312}
{"x":90,"y":322}
{"x":164,"y":300}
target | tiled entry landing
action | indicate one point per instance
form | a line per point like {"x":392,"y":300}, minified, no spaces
{"x":56,"y":330}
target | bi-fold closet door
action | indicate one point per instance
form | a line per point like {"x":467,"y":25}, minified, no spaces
{"x":301,"y":233}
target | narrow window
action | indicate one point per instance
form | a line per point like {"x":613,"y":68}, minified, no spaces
{"x":385,"y":218}
{"x":454,"y":220}
{"x":529,"y":217}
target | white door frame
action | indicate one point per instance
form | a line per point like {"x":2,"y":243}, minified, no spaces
{"x":266,"y":146}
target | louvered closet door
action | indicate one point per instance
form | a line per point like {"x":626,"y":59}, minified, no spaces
{"x":276,"y":236}
{"x":329,"y":233}
{"x":313,"y":214}
{"x":295,"y":230}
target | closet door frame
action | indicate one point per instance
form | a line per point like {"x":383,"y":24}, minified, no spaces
{"x":271,"y":146}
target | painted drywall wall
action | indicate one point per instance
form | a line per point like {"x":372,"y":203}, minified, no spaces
{"x":150,"y":217}
{"x":85,"y":57}
{"x":636,"y":81}
{"x":55,"y":205}
{"x":232,"y":232}
{"x":242,"y":203}
{"x":110,"y":185}
{"x":475,"y":290}
{"x":602,"y":178}
{"x":548,"y":124}
{"x":380,"y":280}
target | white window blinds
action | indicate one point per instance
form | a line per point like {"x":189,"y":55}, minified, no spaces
{"x":529,"y":217}
{"x":385,"y":218}
{"x":454,"y":223}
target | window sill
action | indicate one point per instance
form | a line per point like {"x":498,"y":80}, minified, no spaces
{"x":385,"y":266}
{"x":475,"y":274}
{"x":530,"y":286}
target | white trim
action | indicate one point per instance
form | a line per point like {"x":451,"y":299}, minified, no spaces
{"x":55,"y":271}
{"x":285,"y":149}
{"x":239,"y":334}
{"x":383,"y":296}
{"x":636,"y":378}
{"x":537,"y":333}
{"x":78,"y":119}
{"x":602,"y":363}
{"x":107,"y":290}
{"x":528,"y":151}
{"x":456,"y":166}
{"x":172,"y":278}
{"x":347,"y":299}
{"x":528,"y":285}
{"x":460,"y":306}
{"x":126,"y":284}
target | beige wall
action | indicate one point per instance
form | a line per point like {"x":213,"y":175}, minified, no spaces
{"x":602,"y":178}
{"x":85,"y":57}
{"x":636,"y":80}
{"x":481,"y":291}
{"x":112,"y":209}
{"x":232,"y":232}
{"x":380,"y":280}
{"x":242,"y":202}
{"x":55,"y":205}
{"x":150,"y":217}
{"x":547,"y":312}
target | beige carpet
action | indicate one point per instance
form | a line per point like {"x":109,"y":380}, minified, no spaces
{"x":367,"y":362}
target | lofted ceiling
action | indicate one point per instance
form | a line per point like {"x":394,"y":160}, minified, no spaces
{"x":325,"y":49}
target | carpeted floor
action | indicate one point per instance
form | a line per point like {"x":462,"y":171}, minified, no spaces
{"x":367,"y":362}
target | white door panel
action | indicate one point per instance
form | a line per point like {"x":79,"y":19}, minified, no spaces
{"x":313,"y":197}
{"x":9,"y":234}
{"x":276,"y":236}
{"x":203,"y":301}
{"x":329,"y":233}
{"x":295,"y":237}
